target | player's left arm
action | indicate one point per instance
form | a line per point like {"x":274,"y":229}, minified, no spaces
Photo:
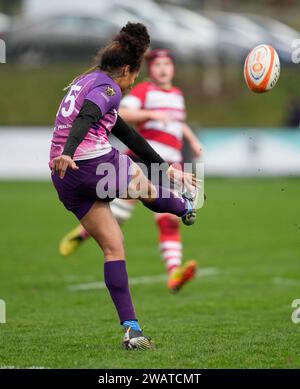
{"x":193,"y":141}
{"x":138,"y":144}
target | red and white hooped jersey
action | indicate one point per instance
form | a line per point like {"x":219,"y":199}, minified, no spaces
{"x":166,"y":139}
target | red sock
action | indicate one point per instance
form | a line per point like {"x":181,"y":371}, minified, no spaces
{"x":170,"y":240}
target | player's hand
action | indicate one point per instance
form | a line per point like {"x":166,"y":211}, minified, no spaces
{"x":197,"y":148}
{"x":161,"y":116}
{"x":180,"y":177}
{"x":62,"y":163}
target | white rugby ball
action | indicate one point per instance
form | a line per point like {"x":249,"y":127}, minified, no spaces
{"x":262,"y":69}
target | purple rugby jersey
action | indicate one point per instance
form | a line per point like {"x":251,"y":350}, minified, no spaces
{"x":103,"y":91}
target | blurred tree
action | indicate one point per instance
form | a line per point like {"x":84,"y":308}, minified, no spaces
{"x":11,"y":7}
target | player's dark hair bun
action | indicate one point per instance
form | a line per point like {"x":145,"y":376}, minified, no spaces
{"x":127,"y":48}
{"x":134,"y":37}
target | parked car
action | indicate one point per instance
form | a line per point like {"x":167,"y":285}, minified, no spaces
{"x":237,"y":35}
{"x":80,"y":33}
{"x":204,"y":30}
{"x":163,"y":27}
{"x":65,"y":36}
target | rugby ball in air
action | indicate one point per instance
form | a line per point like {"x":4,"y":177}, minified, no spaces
{"x":262,"y":69}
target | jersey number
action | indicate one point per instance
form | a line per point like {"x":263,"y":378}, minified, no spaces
{"x":70,"y":98}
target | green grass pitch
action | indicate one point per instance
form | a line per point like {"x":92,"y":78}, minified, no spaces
{"x":239,"y":317}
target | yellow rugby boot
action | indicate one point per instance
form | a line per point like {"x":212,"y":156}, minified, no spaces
{"x":71,"y":242}
{"x":181,"y":275}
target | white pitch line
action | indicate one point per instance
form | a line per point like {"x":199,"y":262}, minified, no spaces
{"x":285,"y":281}
{"x":208,"y":271}
{"x":17,"y":367}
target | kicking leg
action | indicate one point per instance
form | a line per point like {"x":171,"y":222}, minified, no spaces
{"x":160,"y":199}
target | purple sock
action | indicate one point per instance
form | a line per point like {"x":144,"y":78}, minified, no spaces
{"x":116,"y":280}
{"x":167,"y":202}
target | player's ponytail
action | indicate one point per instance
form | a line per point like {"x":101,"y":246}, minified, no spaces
{"x":128,"y":47}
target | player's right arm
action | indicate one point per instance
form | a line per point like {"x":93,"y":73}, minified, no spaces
{"x":89,"y":114}
{"x":93,"y":109}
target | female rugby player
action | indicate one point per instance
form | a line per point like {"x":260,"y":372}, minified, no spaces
{"x":157,"y":108}
{"x":81,"y":160}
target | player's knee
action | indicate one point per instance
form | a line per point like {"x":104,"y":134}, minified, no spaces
{"x":148,"y":194}
{"x":114,"y":252}
{"x":113,"y":246}
{"x":140,"y":187}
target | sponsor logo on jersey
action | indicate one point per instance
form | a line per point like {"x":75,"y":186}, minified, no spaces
{"x":110,"y":91}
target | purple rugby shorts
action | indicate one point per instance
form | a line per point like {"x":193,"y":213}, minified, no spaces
{"x":79,"y":189}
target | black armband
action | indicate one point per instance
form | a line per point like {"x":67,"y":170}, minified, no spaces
{"x":89,"y":114}
{"x":135,"y":142}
